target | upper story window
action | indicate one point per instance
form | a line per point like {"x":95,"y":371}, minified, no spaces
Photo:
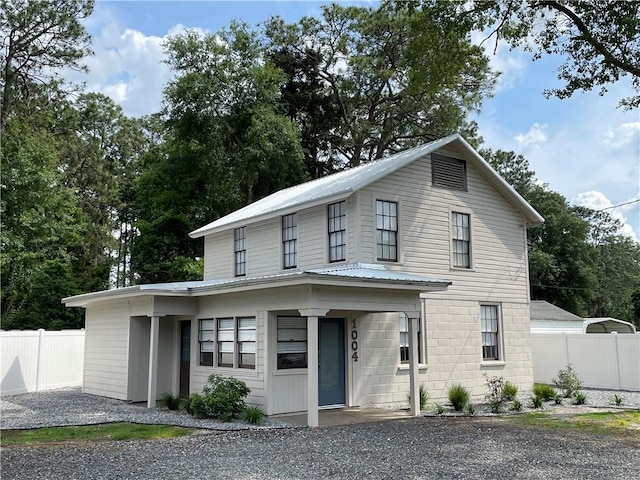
{"x":448,"y":172}
{"x":386,"y":230}
{"x":240,"y":250}
{"x":461,"y":240}
{"x":290,"y":240}
{"x":337,"y":231}
{"x":490,"y":327}
{"x":205,"y":338}
{"x":292,"y":342}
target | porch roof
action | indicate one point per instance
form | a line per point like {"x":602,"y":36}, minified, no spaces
{"x":355,"y":274}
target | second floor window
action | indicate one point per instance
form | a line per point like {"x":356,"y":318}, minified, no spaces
{"x":337,"y":233}
{"x":240,"y":249}
{"x":386,"y":230}
{"x":461,"y":240}
{"x":290,"y":240}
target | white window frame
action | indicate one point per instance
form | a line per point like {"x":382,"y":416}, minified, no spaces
{"x":210,"y":339}
{"x":337,"y":231}
{"x":499,"y":337}
{"x":240,"y":251}
{"x":246,"y":340}
{"x":396,"y":231}
{"x":289,"y":229}
{"x":280,"y":340}
{"x":453,"y":238}
{"x":403,"y":328}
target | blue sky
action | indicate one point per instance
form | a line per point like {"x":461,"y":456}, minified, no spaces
{"x":583,"y":147}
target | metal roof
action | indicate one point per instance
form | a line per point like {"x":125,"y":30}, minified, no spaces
{"x":543,"y":310}
{"x":342,"y":184}
{"x":358,"y":273}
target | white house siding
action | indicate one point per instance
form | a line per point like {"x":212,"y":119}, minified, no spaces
{"x":106,"y":349}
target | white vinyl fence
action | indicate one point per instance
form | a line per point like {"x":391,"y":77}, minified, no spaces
{"x":602,"y":360}
{"x":40,"y":360}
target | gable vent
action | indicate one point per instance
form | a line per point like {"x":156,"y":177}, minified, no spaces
{"x":448,"y":172}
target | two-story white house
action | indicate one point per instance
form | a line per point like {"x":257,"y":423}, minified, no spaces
{"x":349,"y":290}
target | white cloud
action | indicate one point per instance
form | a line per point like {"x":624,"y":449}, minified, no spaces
{"x":534,"y":137}
{"x":599,"y":201}
{"x":623,"y":135}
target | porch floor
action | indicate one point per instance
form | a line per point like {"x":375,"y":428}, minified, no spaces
{"x":346,"y":416}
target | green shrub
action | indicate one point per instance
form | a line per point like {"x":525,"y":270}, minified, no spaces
{"x":424,"y":397}
{"x":517,"y":405}
{"x":567,"y":381}
{"x":495,"y":397}
{"x":253,"y":415}
{"x":509,"y":391}
{"x":170,"y":401}
{"x":470,"y":409}
{"x":617,"y":399}
{"x":536,"y":401}
{"x":557,"y":399}
{"x":459,"y":397}
{"x":196,"y":406}
{"x":579,"y":398}
{"x":439,"y":409}
{"x":544,"y":391}
{"x":224,"y":397}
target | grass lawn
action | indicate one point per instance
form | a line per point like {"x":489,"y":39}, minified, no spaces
{"x":624,"y":424}
{"x":88,"y":433}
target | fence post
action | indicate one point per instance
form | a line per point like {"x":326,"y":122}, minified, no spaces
{"x":566,"y":350}
{"x":38,"y":356}
{"x":618,"y":376}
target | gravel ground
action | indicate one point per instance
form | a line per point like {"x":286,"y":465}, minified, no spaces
{"x":425,"y":447}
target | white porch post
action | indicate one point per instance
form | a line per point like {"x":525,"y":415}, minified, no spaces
{"x":312,"y":315}
{"x":153,"y":362}
{"x":412,"y":318}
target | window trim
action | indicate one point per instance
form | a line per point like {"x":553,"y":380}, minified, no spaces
{"x":451,"y":160}
{"x":499,"y":335}
{"x":240,"y":251}
{"x":291,"y":241}
{"x":421,"y":341}
{"x":453,"y":266}
{"x":376,"y":229}
{"x":212,"y":341}
{"x":239,"y":343}
{"x":342,"y":231}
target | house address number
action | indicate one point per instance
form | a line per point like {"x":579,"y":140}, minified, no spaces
{"x":354,"y":340}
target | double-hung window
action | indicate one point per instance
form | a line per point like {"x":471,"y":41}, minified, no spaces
{"x":337,"y":232}
{"x":461,"y":240}
{"x":290,"y":240}
{"x":240,"y":250}
{"x":206,"y":338}
{"x":386,"y":230}
{"x":404,"y":339}
{"x":225,"y":342}
{"x":292,"y":342}
{"x":246,"y":342}
{"x":490,"y":326}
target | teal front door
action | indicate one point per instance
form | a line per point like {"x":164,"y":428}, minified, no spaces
{"x":331,"y":375}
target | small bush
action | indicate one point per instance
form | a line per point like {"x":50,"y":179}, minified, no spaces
{"x":470,"y":409}
{"x":510,"y":391}
{"x":517,"y":405}
{"x":170,"y":401}
{"x":196,"y":406}
{"x":557,"y":399}
{"x":253,"y":415}
{"x":439,"y":409}
{"x":567,"y":381}
{"x":536,"y":401}
{"x":424,"y":397}
{"x":222,"y":397}
{"x":579,"y":398}
{"x":459,"y":397}
{"x":544,"y":391}
{"x":495,"y":397}
{"x":617,"y":399}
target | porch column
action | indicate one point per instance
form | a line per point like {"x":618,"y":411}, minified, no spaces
{"x":412,"y":319}
{"x":312,"y":315}
{"x":153,"y":362}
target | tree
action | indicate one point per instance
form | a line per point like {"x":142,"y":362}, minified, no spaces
{"x":39,"y":38}
{"x":513,"y":168}
{"x":225,"y":145}
{"x":360,"y":57}
{"x":600,"y":41}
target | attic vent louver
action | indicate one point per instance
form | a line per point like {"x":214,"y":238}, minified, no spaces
{"x":448,"y":172}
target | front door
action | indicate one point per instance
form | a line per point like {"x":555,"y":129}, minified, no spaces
{"x":185,"y":356}
{"x":331,"y":384}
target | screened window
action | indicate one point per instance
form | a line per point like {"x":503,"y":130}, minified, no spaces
{"x":404,"y":339}
{"x":490,"y":325}
{"x":461,"y":240}
{"x":292,"y":342}
{"x":246,"y":342}
{"x":289,"y":240}
{"x":387,"y":230}
{"x":337,"y":232}
{"x":240,"y":249}
{"x":225,"y":342}
{"x":205,"y":338}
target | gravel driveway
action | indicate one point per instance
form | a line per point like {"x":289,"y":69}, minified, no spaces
{"x":425,"y":447}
